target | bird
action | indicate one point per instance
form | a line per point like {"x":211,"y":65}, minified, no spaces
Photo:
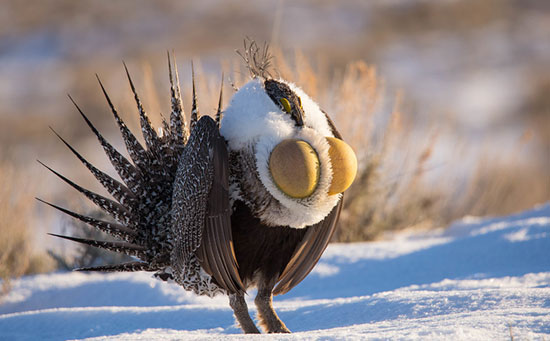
{"x":246,"y":198}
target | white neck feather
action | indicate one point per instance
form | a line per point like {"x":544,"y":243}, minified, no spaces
{"x":253,"y":120}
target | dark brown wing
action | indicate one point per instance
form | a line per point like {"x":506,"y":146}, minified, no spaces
{"x":313,"y":245}
{"x":308,"y":252}
{"x":216,"y":254}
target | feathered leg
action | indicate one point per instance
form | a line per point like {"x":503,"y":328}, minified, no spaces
{"x":238,"y":304}
{"x":269,"y":320}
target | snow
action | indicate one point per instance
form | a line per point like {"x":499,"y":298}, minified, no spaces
{"x":479,"y":279}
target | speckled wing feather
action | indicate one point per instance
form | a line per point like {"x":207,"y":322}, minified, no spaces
{"x":216,"y":250}
{"x":201,"y":213}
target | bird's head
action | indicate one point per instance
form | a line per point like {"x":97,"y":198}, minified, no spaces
{"x":300,"y":158}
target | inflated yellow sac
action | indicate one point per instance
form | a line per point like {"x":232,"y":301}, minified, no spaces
{"x":344,"y":165}
{"x":294,"y":167}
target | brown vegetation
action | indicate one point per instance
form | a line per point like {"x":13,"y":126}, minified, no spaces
{"x":415,"y":170}
{"x":396,"y":187}
{"x":17,"y":253}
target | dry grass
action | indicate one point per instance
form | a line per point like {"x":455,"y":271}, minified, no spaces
{"x":17,"y":254}
{"x":396,"y":187}
{"x":393,"y":190}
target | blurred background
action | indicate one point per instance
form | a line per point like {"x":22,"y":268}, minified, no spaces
{"x":447,"y":103}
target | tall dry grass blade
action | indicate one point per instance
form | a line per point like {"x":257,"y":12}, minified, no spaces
{"x":19,"y":255}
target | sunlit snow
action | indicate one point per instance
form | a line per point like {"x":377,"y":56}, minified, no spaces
{"x":479,"y":279}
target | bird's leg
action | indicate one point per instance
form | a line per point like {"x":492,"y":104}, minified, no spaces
{"x":269,"y":320}
{"x":238,"y":304}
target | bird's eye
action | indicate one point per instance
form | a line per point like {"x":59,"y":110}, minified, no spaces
{"x":286,"y":105}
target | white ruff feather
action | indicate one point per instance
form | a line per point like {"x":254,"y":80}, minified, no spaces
{"x":252,"y":114}
{"x":253,"y":120}
{"x":314,"y":117}
{"x":305,"y":211}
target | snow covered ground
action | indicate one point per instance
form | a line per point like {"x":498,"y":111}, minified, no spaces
{"x":480,"y":279}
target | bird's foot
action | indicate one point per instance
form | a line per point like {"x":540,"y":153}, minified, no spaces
{"x":240,"y":309}
{"x":269,"y":320}
{"x":281,"y":329}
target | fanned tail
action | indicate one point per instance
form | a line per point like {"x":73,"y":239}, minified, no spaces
{"x":114,"y":229}
{"x":124,"y":267}
{"x":143,"y":200}
{"x":122,"y":247}
{"x":126,"y":170}
{"x":120,"y":192}
{"x":149,"y":134}
{"x":219,"y":111}
{"x":116,"y":210}
{"x":178,"y":126}
{"x":194,"y":109}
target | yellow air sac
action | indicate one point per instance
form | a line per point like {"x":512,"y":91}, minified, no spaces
{"x":294,"y":167}
{"x":344,"y":165}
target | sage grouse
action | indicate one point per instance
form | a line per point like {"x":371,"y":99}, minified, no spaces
{"x":247,"y":199}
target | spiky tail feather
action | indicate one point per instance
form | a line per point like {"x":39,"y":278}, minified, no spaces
{"x":143,"y":200}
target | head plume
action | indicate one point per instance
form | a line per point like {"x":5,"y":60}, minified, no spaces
{"x":257,"y":59}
